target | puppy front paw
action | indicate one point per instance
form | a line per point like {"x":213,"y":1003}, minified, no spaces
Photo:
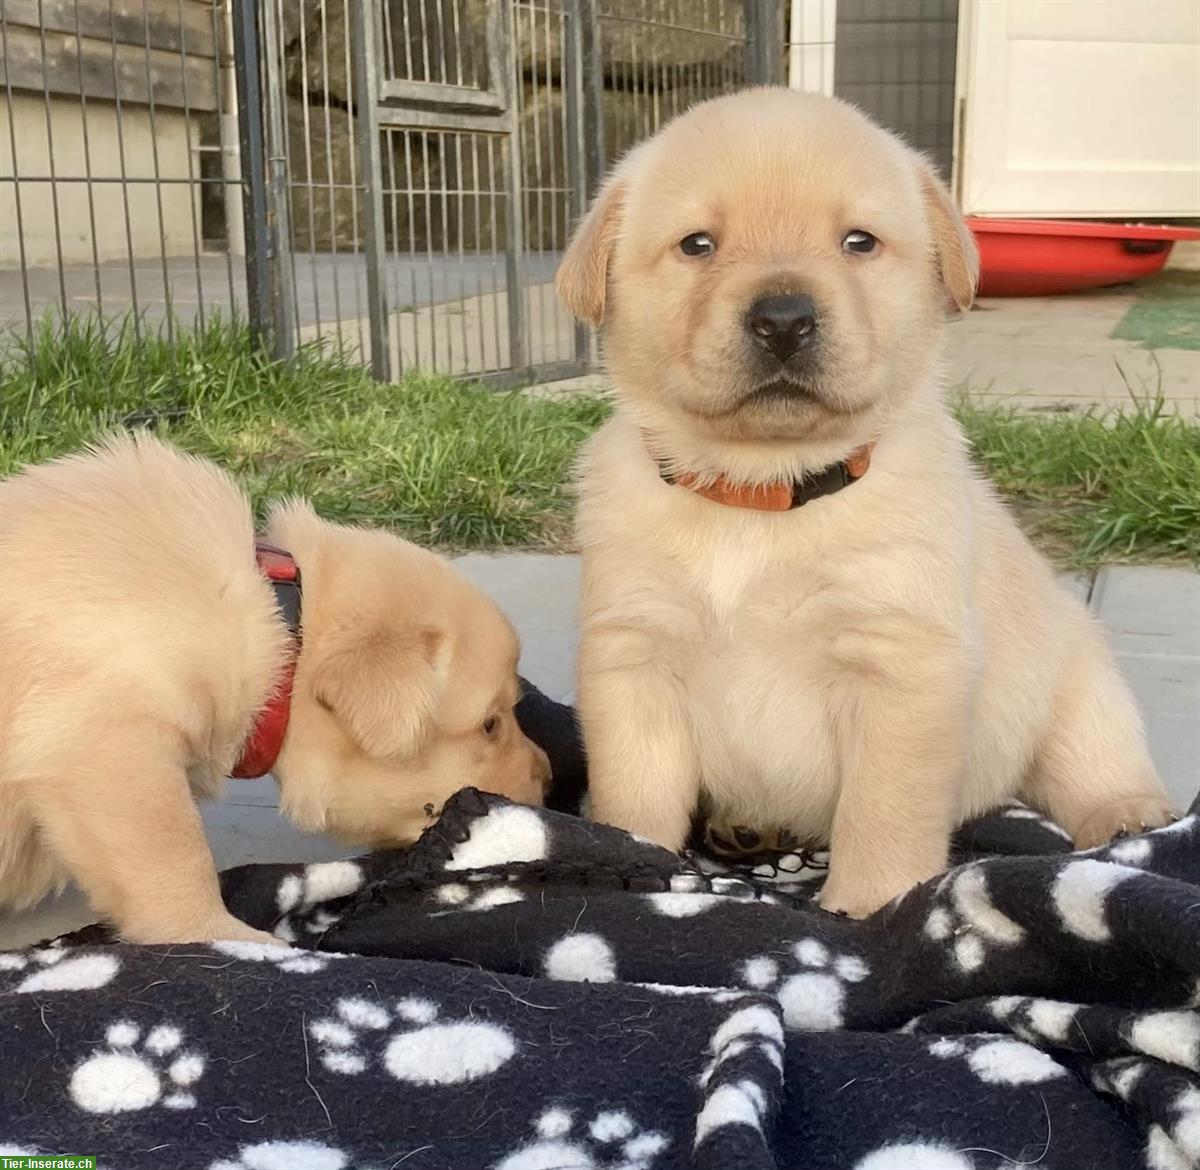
{"x":225,"y":928}
{"x":249,"y":934}
{"x":850,"y":904}
{"x":1123,"y":818}
{"x":860,"y":897}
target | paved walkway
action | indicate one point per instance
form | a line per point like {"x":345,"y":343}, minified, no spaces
{"x":450,"y":314}
{"x":1058,"y":353}
{"x":1152,"y":616}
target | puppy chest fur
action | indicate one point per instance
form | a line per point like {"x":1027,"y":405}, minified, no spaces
{"x":765,"y":622}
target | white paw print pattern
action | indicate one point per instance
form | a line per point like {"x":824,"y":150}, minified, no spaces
{"x":1020,"y":812}
{"x":411,"y":1043}
{"x":1080,"y":896}
{"x":1000,"y":1060}
{"x":964,"y":912}
{"x":920,"y":1155}
{"x":611,"y":1140}
{"x":1040,"y":1021}
{"x":283,"y":957}
{"x":1179,"y":1139}
{"x":1119,"y":1076}
{"x":813,"y":999}
{"x":132,"y":1072}
{"x":510,"y":833}
{"x":461,"y":896}
{"x":300,"y":895}
{"x":56,"y":968}
{"x":285,"y":1156}
{"x":581,"y":957}
{"x":740,"y":1101}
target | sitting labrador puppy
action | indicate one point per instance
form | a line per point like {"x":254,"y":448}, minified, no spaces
{"x":149,"y":648}
{"x":803,"y":609}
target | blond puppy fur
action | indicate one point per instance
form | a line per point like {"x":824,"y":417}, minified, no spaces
{"x":139,"y":641}
{"x":871,"y":668}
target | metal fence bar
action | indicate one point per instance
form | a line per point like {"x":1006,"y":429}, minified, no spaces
{"x":591,"y":80}
{"x":191,"y":165}
{"x":133,"y":297}
{"x":62,"y":278}
{"x":162,"y":226}
{"x":333,"y":240}
{"x":514,"y":256}
{"x":574,"y":131}
{"x":275,"y":59}
{"x":12,"y":147}
{"x":762,"y":41}
{"x":254,"y":167}
{"x":279,"y":238}
{"x":85,"y":131}
{"x":366,"y":82}
{"x":430,"y":267}
{"x":232,"y":202}
{"x":352,"y":159}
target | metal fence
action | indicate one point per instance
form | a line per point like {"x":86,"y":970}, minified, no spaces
{"x":118,"y":159}
{"x":396,"y":178}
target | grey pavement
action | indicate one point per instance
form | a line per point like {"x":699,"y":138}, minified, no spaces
{"x":329,"y":287}
{"x":1151,"y":617}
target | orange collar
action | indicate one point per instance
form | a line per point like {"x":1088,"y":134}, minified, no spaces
{"x":782,"y":496}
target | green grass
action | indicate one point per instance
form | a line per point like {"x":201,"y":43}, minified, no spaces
{"x":463,"y":467}
{"x":1097,"y":487}
{"x":441,"y":462}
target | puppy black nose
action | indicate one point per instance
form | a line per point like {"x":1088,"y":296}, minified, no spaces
{"x":782,"y":323}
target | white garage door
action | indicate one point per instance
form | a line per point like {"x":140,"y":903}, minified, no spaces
{"x":1080,"y":108}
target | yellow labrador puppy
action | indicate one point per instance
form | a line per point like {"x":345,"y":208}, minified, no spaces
{"x":146,"y":653}
{"x":802,"y":607}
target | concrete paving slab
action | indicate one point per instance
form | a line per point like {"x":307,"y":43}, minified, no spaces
{"x":540,"y":594}
{"x":1150,"y":610}
{"x":1152,"y":617}
{"x":240,"y":834}
{"x":49,"y":918}
{"x":1112,"y":377}
{"x":261,"y":793}
{"x":1168,"y":693}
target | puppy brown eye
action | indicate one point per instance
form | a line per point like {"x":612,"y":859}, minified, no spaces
{"x":491,"y":725}
{"x":859,"y":241}
{"x":698,"y":244}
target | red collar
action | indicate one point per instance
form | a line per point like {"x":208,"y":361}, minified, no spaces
{"x":783,"y":495}
{"x":261,"y":750}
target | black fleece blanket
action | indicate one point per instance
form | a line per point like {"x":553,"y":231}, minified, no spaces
{"x":524,"y":990}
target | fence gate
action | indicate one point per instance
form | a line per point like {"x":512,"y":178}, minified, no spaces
{"x":477,"y":130}
{"x":439,"y":151}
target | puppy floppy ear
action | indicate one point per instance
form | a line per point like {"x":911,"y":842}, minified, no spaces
{"x":954,"y":246}
{"x":384,"y":688}
{"x":582,"y":277}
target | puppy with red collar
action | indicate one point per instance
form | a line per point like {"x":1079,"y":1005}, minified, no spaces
{"x":150,"y":648}
{"x":803,"y":610}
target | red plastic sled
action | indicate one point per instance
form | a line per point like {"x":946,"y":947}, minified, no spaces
{"x":1033,"y":258}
